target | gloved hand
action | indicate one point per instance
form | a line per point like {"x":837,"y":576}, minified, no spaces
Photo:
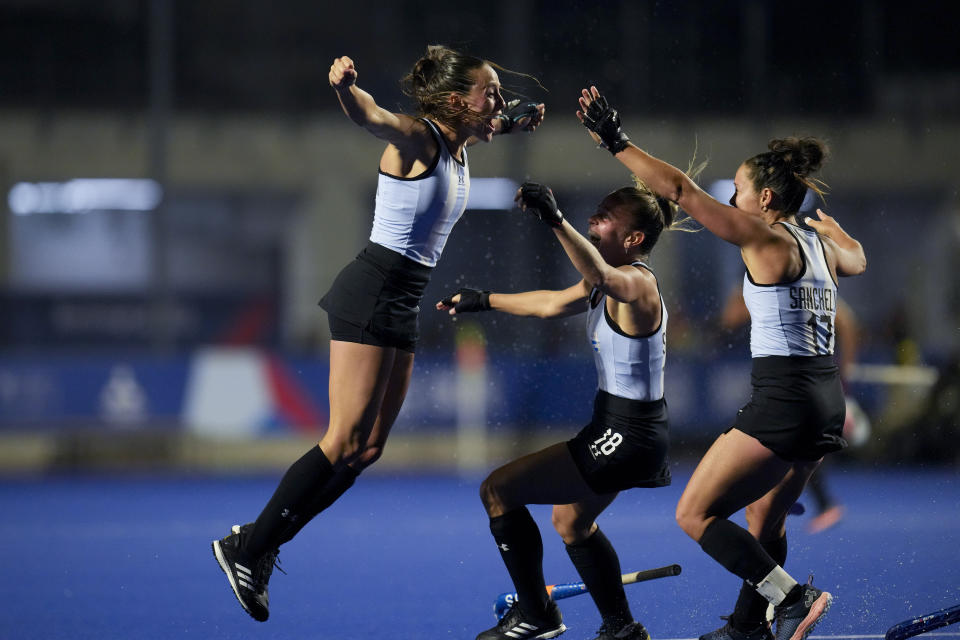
{"x":604,"y":121}
{"x":539,"y":200}
{"x":470,"y":300}
{"x":516,"y":111}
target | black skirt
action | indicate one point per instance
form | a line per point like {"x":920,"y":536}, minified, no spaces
{"x":796,"y":408}
{"x":376,"y":299}
{"x":624,"y":446}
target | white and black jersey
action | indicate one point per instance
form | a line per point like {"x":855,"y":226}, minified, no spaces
{"x":627,"y":366}
{"x":794,"y":318}
{"x":796,"y":406}
{"x":627,"y":441}
{"x":376,"y":298}
{"x":414,"y":216}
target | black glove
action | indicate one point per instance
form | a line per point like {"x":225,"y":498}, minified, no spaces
{"x":515,"y":112}
{"x":604,"y":121}
{"x":470,"y":300}
{"x":538,"y":199}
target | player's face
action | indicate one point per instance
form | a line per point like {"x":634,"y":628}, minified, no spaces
{"x":745,"y":196}
{"x":607,"y":231}
{"x":484,"y":100}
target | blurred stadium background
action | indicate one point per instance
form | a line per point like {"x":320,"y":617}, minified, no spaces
{"x":181,"y":187}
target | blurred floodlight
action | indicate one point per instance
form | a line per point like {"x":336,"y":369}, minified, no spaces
{"x":722,"y":190}
{"x":83,"y":195}
{"x":492,"y":194}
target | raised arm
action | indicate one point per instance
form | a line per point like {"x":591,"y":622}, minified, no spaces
{"x":400,"y":130}
{"x":621,"y":284}
{"x":667,"y":181}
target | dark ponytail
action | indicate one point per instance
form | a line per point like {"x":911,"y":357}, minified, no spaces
{"x":439,"y":73}
{"x":786,"y":169}
{"x":442,"y":71}
{"x":668,"y":210}
{"x":648,"y":212}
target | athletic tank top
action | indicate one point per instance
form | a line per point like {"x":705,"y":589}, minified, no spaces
{"x":794,"y":318}
{"x":627,"y":366}
{"x":414,"y":216}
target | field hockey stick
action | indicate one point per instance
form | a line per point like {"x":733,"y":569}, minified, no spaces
{"x":922,"y":624}
{"x":570,"y":589}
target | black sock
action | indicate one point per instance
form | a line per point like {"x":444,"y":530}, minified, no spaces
{"x":599,"y":568}
{"x":521,"y":548}
{"x":751,"y":608}
{"x":821,"y":494}
{"x":336,"y":487}
{"x":299,"y":487}
{"x":739,"y":552}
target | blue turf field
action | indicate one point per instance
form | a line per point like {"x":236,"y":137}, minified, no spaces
{"x":411,"y":557}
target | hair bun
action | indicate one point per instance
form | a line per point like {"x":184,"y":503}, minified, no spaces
{"x":802,"y":156}
{"x":423,"y":72}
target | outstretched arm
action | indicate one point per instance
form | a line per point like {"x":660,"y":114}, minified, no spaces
{"x":396,"y":128}
{"x":664,"y":179}
{"x":540,"y":304}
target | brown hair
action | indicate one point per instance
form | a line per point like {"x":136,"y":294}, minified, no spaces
{"x":652,"y":213}
{"x":785,"y":169}
{"x":443,"y":71}
{"x":649,"y":212}
{"x":439,"y":73}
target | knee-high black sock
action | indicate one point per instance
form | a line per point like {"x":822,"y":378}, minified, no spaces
{"x":521,"y":548}
{"x":336,"y":487}
{"x":599,"y":568}
{"x":297,"y":489}
{"x":739,"y":552}
{"x":751,"y":608}
{"x":821,"y":493}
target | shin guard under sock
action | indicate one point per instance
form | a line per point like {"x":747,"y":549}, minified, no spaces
{"x":521,"y":548}
{"x":336,"y":487}
{"x":751,"y":608}
{"x":300,"y":485}
{"x":738,"y":551}
{"x":599,"y":568}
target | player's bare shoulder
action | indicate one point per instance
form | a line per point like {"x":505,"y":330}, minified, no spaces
{"x":644,"y":308}
{"x":413,"y":153}
{"x":645,"y":278}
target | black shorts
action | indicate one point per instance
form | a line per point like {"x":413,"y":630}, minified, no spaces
{"x":376,"y":299}
{"x":624,"y":446}
{"x":796,"y":408}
